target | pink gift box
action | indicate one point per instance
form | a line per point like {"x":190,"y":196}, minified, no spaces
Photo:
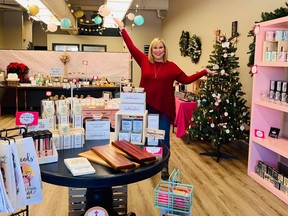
{"x":158,"y":151}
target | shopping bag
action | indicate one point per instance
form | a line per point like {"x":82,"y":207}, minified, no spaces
{"x":5,"y":204}
{"x":8,"y":191}
{"x":21,"y":199}
{"x":30,"y":169}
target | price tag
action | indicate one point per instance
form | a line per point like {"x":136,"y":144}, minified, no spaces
{"x":26,"y":118}
{"x":55,"y":72}
{"x":155,"y":133}
{"x":48,"y":93}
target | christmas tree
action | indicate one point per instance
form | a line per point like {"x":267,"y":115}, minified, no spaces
{"x":221,"y":115}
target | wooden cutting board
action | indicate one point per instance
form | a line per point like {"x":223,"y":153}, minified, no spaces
{"x":93,"y":157}
{"x":113,"y":158}
{"x":136,"y":153}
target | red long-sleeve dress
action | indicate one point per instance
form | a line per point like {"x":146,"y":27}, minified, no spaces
{"x":157,"y":79}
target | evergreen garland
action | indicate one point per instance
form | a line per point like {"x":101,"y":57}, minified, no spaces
{"x":194,"y":49}
{"x":184,"y":43}
{"x":279,"y":12}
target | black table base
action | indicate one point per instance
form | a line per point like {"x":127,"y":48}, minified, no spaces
{"x":100,"y":197}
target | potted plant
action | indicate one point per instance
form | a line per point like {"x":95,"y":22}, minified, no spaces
{"x":20,"y":69}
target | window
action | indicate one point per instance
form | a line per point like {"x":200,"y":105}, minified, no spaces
{"x":65,"y":47}
{"x":94,"y":48}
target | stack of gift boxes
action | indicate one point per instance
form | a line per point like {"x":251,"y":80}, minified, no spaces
{"x":131,"y":118}
{"x":65,"y":122}
{"x":273,"y":176}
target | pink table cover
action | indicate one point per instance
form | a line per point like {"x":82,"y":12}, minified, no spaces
{"x":183,"y":115}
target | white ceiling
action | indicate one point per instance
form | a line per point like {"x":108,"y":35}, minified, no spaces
{"x":92,"y":5}
{"x":89,"y":7}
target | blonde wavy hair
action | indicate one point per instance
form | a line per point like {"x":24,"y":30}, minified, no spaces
{"x":155,"y":42}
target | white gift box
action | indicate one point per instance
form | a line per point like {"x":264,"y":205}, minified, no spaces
{"x":76,"y":107}
{"x":77,"y":121}
{"x":131,"y":97}
{"x":132,"y":108}
{"x":76,"y":137}
{"x":124,"y":135}
{"x":56,"y":139}
{"x":137,"y":125}
{"x":136,"y":137}
{"x":65,"y":141}
{"x":126,"y":124}
{"x":97,"y":129}
{"x":153,"y":123}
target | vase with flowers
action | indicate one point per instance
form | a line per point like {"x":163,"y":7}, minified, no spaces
{"x":20,"y":69}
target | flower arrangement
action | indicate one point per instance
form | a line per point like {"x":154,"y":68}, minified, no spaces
{"x":64,"y":58}
{"x":20,"y":69}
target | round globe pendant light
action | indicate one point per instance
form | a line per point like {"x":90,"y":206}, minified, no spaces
{"x":139,"y":20}
{"x":33,"y":10}
{"x":66,"y":23}
{"x":78,"y":13}
{"x":52,"y":27}
{"x":97,"y":20}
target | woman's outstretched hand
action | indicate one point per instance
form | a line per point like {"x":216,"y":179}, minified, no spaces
{"x":211,"y":73}
{"x":119,"y":23}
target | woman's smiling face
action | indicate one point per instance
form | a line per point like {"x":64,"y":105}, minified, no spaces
{"x":158,"y":51}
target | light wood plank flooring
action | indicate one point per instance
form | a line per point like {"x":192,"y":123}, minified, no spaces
{"x":221,"y":189}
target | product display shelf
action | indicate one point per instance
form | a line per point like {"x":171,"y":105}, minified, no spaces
{"x":273,"y":105}
{"x":118,"y":120}
{"x":267,"y":113}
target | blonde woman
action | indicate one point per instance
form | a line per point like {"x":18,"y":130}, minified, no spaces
{"x":157,"y":78}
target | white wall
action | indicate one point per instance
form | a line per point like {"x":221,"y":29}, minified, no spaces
{"x":203,"y":17}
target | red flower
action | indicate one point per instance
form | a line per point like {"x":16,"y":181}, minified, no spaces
{"x":19,"y":68}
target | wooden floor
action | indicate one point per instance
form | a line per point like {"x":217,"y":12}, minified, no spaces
{"x":221,"y":189}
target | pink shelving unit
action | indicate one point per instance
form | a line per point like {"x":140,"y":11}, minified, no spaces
{"x":267,"y":113}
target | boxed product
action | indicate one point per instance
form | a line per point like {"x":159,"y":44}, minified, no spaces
{"x":126,"y":124}
{"x":153,"y":123}
{"x":97,"y":129}
{"x":124,"y":135}
{"x":135,"y":137}
{"x":76,"y":106}
{"x":132,"y":108}
{"x":137,"y":125}
{"x":48,"y":108}
{"x":77,"y":121}
{"x":131,"y":97}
